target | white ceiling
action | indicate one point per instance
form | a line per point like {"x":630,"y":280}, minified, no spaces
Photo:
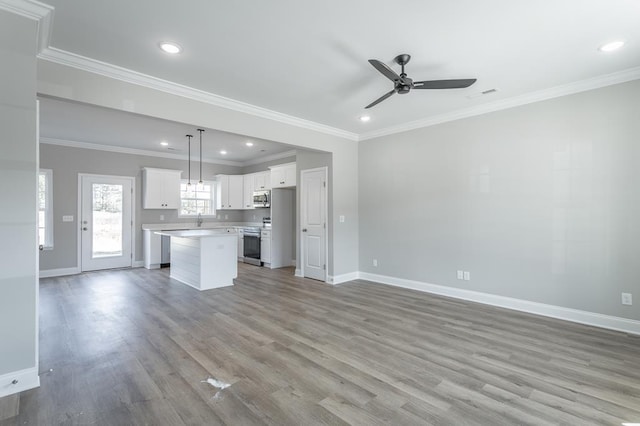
{"x":63,"y":122}
{"x":309,"y":59}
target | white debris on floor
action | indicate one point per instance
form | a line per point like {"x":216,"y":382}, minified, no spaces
{"x":216,"y":383}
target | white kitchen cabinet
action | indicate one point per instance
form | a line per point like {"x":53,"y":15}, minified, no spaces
{"x":247,"y":193}
{"x":265,"y":246}
{"x":240,"y":244}
{"x":283,"y":176}
{"x":230,"y":192}
{"x":160,"y":188}
{"x":261,"y":181}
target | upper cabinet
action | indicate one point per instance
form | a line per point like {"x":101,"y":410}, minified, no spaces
{"x":261,"y":181}
{"x":247,"y":193}
{"x":283,"y":176}
{"x":230,"y":192}
{"x":160,"y":188}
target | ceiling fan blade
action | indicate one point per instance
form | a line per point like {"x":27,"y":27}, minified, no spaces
{"x":380,"y":99}
{"x":443,"y":84}
{"x":386,"y":71}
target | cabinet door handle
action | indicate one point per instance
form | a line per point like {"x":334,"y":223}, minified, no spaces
{"x":304,"y":229}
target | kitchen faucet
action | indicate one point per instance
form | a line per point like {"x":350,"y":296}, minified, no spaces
{"x":199,"y":220}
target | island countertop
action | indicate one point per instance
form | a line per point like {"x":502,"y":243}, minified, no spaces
{"x":198,"y":233}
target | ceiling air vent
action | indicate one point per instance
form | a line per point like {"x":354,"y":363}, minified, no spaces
{"x":482,"y":93}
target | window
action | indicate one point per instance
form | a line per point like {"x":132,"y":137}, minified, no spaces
{"x":45,"y":209}
{"x":197,"y":198}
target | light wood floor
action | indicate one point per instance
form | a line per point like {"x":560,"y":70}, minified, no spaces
{"x":133,"y":347}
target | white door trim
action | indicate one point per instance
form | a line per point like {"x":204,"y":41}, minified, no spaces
{"x":325,"y":169}
{"x":79,"y":215}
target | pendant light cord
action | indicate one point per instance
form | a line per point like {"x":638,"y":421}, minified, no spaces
{"x":189,"y":179}
{"x":200,"y":130}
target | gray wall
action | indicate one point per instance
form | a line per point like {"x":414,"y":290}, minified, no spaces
{"x":262,"y":167}
{"x":67,"y":162}
{"x":18,"y":172}
{"x":538,"y":202}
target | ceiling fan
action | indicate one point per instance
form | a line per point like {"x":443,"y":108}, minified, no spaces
{"x":403,"y":84}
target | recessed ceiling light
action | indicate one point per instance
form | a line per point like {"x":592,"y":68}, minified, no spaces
{"x":164,"y":143}
{"x":610,"y":47}
{"x":249,"y":143}
{"x":170,"y":47}
{"x":223,"y":152}
{"x":364,"y":118}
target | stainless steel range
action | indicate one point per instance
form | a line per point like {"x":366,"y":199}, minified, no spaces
{"x":252,"y":245}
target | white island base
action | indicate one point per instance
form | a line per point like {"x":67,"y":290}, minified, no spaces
{"x":203,"y":259}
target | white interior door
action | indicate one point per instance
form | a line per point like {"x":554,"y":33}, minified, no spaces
{"x":313,"y":213}
{"x":106,"y":222}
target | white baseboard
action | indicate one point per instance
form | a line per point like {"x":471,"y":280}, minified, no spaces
{"x":568,"y":314}
{"x":137,"y":264}
{"x":26,"y":379}
{"x":339,"y":279}
{"x":61,"y":272}
{"x":298,"y":273}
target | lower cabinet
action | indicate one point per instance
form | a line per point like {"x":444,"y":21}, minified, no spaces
{"x":240,"y":244}
{"x":265,"y":246}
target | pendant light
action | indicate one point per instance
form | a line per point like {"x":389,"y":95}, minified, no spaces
{"x":200,"y":182}
{"x":189,"y":162}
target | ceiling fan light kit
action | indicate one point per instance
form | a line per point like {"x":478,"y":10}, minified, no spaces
{"x":403,"y":84}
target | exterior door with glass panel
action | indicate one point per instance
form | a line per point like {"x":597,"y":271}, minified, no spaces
{"x":106,"y":222}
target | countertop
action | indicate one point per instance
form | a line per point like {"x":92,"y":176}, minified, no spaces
{"x":198,"y":233}
{"x":205,"y":225}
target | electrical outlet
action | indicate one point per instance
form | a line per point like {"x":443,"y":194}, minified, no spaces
{"x":627,"y":299}
{"x":467,"y":275}
{"x":226,"y":216}
{"x":341,"y":218}
{"x":67,"y":218}
{"x":460,"y":275}
{"x":161,"y":217}
{"x":375,"y":262}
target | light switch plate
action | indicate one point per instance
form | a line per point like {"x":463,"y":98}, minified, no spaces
{"x":68,"y":218}
{"x":627,"y":299}
{"x":341,"y":219}
{"x":460,"y":275}
{"x":467,"y":275}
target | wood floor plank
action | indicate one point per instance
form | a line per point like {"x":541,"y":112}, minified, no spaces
{"x":134,"y":347}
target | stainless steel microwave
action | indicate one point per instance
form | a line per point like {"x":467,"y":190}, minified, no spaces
{"x":261,"y":199}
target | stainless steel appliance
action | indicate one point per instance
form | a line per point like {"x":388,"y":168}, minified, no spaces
{"x":262,"y":199}
{"x":252,"y":246}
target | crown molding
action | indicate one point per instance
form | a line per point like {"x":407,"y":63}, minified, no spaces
{"x":132,"y":151}
{"x":73,"y":60}
{"x":272,"y":157}
{"x":32,"y":9}
{"x":528,"y":98}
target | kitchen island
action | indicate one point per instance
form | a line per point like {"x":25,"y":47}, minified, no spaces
{"x":203,"y":258}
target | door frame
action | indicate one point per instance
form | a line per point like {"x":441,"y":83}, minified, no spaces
{"x":325,"y":169}
{"x":79,"y":215}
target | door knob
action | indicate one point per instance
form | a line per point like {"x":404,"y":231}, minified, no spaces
{"x":304,"y":229}
{"x":40,"y":247}
{"x":84,"y":229}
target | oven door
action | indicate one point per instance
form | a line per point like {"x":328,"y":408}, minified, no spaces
{"x":252,"y":248}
